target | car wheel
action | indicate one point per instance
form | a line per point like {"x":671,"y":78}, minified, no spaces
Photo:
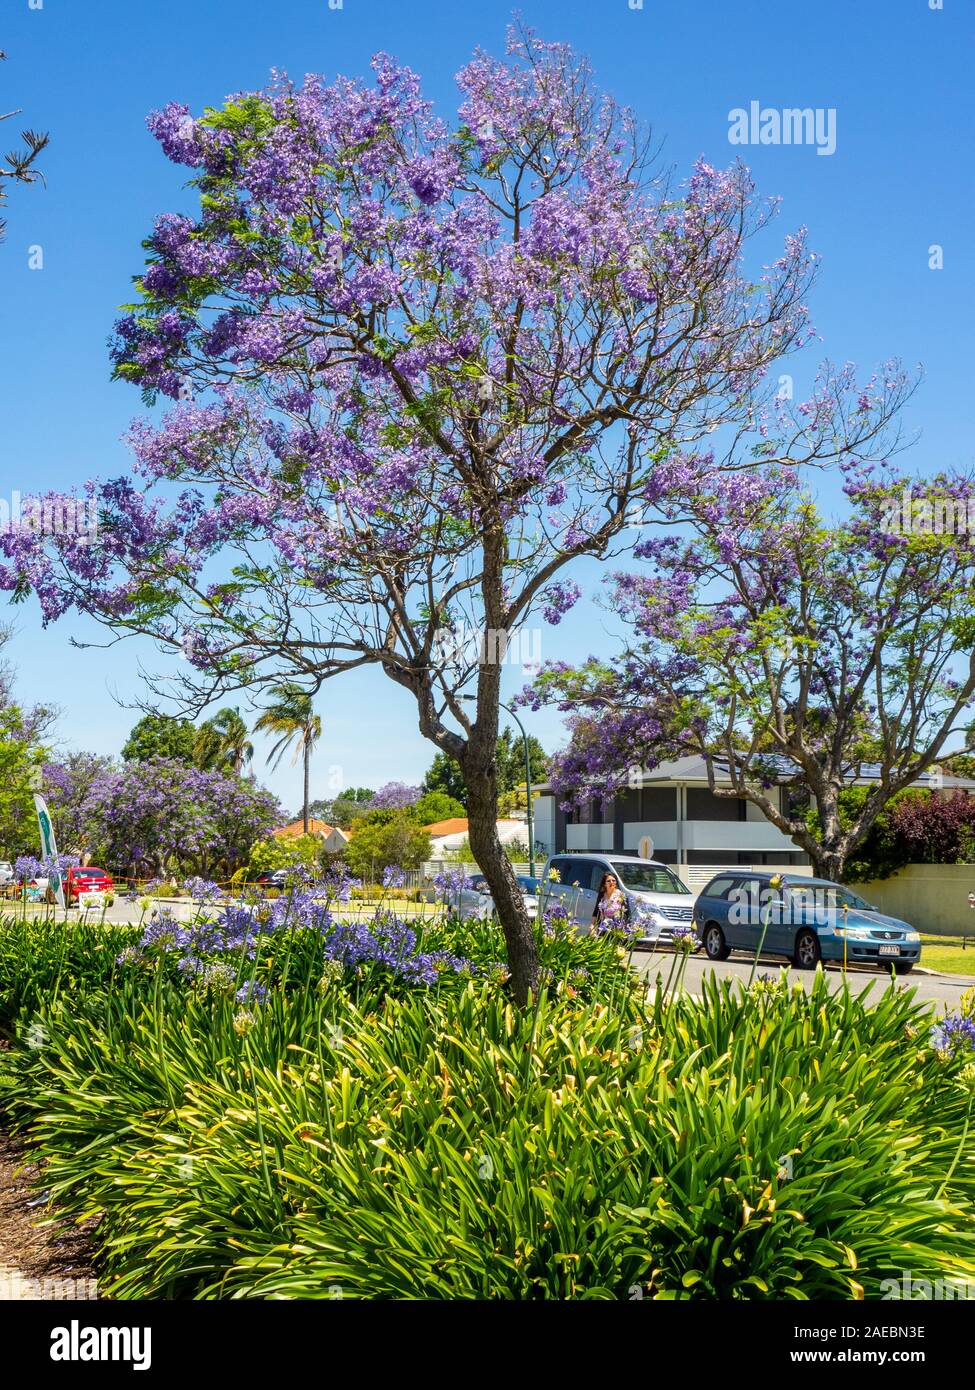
{"x":808,"y":953}
{"x":903,"y":967}
{"x":714,"y":942}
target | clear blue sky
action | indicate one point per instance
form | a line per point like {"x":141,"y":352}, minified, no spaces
{"x":897,"y":73}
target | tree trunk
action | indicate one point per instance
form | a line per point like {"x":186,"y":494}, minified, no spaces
{"x":304,"y":810}
{"x":480,"y":774}
{"x":828,"y":864}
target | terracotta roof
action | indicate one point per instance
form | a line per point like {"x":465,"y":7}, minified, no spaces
{"x":457,"y":825}
{"x":297,"y":827}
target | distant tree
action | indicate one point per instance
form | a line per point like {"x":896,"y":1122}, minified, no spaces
{"x":782,"y":647}
{"x":222,"y":742}
{"x":19,"y":165}
{"x":395,"y":796}
{"x":24,"y":735}
{"x":343,"y":809}
{"x":444,"y":774}
{"x":282,"y":852}
{"x":398,"y":840}
{"x":160,"y":815}
{"x":160,"y":736}
{"x":68,"y":784}
{"x":511,"y":760}
{"x":21,"y":758}
{"x":293,"y":720}
{"x":437,"y":806}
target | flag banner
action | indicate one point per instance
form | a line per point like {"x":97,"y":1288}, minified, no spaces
{"x":49,"y":849}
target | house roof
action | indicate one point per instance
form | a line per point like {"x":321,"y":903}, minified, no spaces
{"x":297,"y":827}
{"x":457,"y":825}
{"x":693,"y":768}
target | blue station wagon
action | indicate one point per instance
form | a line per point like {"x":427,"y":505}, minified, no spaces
{"x":809,"y":920}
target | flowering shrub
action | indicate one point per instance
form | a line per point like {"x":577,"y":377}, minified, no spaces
{"x":449,"y":1146}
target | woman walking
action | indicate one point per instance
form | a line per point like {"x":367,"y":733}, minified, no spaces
{"x":610,"y":909}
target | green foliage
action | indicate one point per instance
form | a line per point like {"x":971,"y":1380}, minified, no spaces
{"x":160,"y":736}
{"x":292,"y":721}
{"x":960,"y":764}
{"x":445,"y":775}
{"x":761,"y":1144}
{"x":283,"y":853}
{"x":21,"y":757}
{"x":42,"y":961}
{"x":394,"y":837}
{"x":343,"y":809}
{"x":437,"y":806}
{"x":882,"y":851}
{"x":221,"y":743}
{"x":515,"y":850}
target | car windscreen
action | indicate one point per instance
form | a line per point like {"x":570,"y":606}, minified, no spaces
{"x":832,"y":895}
{"x":647,"y":878}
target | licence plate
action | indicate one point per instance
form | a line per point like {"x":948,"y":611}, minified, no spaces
{"x":889,"y":951}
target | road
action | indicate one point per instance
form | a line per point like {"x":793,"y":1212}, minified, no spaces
{"x":936,"y":989}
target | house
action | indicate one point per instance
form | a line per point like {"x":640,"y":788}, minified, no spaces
{"x":689,"y":826}
{"x":448,"y":835}
{"x":335,"y":840}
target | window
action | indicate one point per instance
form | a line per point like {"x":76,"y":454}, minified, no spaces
{"x":702,"y":804}
{"x":658,"y":804}
{"x":647,"y":878}
{"x":720,"y":888}
{"x":573,"y":869}
{"x":582,"y":873}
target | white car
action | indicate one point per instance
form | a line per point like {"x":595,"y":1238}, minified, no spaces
{"x":657,"y":902}
{"x":6,"y":871}
{"x":480,"y":903}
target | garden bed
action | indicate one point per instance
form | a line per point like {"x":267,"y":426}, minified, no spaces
{"x":311,"y":1115}
{"x":38,"y":1260}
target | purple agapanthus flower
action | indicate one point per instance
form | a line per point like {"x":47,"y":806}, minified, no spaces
{"x":953,"y":1033}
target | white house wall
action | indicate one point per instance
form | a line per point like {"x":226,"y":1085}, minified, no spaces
{"x":588,"y":837}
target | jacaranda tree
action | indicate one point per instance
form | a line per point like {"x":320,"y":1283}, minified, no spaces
{"x":788,"y":650}
{"x":420,"y":369}
{"x":68,"y":783}
{"x":161,"y":816}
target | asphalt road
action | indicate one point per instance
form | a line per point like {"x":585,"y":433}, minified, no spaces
{"x":937,"y":989}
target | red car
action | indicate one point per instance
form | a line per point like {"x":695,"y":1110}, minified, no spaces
{"x":84,"y":879}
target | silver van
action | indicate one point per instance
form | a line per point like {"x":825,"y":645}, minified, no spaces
{"x":656,"y":900}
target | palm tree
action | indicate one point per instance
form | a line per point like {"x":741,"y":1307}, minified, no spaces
{"x":294,"y":720}
{"x":222,"y":742}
